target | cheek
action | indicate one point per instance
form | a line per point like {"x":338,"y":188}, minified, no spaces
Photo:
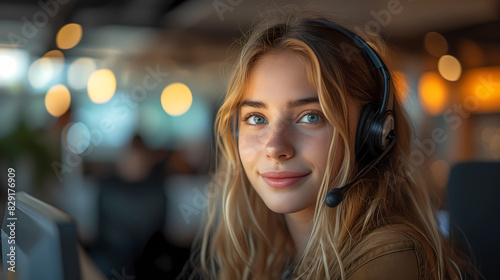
{"x":249,"y":147}
{"x":320,"y":151}
{"x":316,"y":149}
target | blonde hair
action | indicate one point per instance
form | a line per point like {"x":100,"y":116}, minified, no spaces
{"x":243,"y":239}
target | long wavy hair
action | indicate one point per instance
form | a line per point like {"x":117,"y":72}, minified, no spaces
{"x":243,"y":239}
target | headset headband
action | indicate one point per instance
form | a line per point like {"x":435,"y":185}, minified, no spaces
{"x":370,"y":54}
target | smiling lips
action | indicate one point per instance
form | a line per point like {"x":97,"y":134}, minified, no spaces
{"x":282,"y":179}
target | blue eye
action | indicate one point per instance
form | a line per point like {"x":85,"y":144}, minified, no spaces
{"x":310,"y":118}
{"x":256,"y":120}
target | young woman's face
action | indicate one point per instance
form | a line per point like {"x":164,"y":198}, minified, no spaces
{"x":284,"y":137}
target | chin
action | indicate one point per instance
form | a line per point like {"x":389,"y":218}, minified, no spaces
{"x":286,"y":206}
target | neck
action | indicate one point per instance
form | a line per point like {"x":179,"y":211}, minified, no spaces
{"x":299,"y":227}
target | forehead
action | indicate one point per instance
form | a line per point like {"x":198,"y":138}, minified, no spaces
{"x":283,"y":74}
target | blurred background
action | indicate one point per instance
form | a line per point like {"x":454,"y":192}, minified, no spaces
{"x":107,"y":106}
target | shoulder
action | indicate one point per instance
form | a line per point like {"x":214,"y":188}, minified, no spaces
{"x":386,"y":254}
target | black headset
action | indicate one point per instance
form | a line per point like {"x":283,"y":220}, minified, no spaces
{"x":375,"y":135}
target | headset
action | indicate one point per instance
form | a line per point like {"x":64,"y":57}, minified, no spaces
{"x":375,"y":135}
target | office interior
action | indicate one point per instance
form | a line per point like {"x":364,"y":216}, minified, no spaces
{"x":107,"y":107}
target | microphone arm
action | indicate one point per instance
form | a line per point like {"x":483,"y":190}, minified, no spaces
{"x":335,"y":196}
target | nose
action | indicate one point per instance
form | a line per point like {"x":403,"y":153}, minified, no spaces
{"x":279,"y":146}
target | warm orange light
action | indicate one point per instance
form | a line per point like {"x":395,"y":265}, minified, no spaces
{"x":57,"y":100}
{"x":481,"y":88}
{"x":433,"y":92}
{"x":176,"y":99}
{"x":101,"y":86}
{"x":54,"y":54}
{"x":69,"y":36}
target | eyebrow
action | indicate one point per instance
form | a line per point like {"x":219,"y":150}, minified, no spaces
{"x":302,"y":102}
{"x":290,"y":104}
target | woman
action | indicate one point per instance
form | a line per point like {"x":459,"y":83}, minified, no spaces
{"x":286,"y":138}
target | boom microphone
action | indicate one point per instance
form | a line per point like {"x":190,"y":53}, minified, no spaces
{"x":335,"y":196}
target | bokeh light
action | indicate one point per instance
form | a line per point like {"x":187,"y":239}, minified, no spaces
{"x":13,"y":66}
{"x":176,"y":99}
{"x":57,"y":60}
{"x":69,"y":36}
{"x":109,"y":127}
{"x":161,"y":130}
{"x":57,"y":100}
{"x":481,"y":86}
{"x":79,"y":72}
{"x":54,"y":54}
{"x":8,"y":67}
{"x":433,"y":92}
{"x":449,"y":67}
{"x":435,"y":44}
{"x":101,"y":86}
{"x":41,"y":72}
{"x":78,"y":138}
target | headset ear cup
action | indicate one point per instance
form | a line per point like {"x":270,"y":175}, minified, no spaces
{"x":363,"y":141}
{"x":381,"y":128}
